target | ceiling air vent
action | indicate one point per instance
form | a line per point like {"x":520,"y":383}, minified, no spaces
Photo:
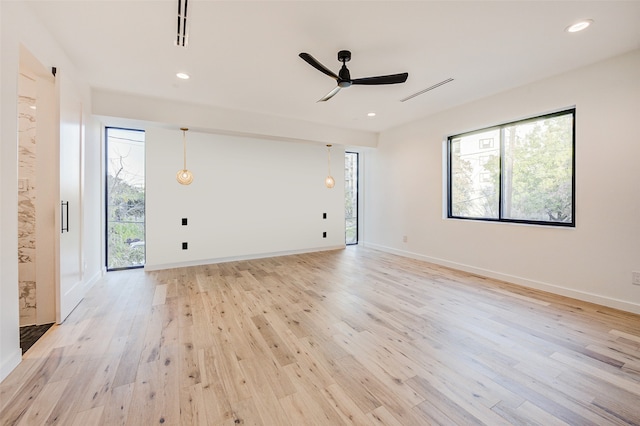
{"x":182,"y":38}
{"x":443,"y":82}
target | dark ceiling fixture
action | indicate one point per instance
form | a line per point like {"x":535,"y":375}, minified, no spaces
{"x":344,"y":77}
{"x":182,"y":38}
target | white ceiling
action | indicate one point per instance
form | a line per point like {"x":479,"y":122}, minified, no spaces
{"x":244,"y":55}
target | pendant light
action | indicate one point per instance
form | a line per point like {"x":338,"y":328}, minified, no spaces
{"x":184,"y":176}
{"x":329,"y":182}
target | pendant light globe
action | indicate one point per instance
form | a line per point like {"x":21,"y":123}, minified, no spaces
{"x":184,"y":176}
{"x":329,"y":181}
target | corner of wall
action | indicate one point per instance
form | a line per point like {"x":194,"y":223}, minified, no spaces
{"x":10,"y":363}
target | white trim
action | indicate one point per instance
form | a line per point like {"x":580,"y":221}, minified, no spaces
{"x":95,"y":278}
{"x":10,"y":363}
{"x":513,"y":279}
{"x":237,"y":258}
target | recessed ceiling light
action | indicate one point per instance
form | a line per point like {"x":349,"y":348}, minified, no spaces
{"x":579,"y":26}
{"x":182,"y":75}
{"x":371,"y":114}
{"x":32,"y":106}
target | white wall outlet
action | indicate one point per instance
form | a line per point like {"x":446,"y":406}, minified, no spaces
{"x":404,"y":238}
{"x":635,"y":278}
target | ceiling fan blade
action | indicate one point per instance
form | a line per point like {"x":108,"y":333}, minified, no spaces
{"x":317,"y":65}
{"x":330,"y":95}
{"x":382,"y":79}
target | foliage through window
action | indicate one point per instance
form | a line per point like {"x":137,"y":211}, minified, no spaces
{"x":526,"y":176}
{"x":125,"y":194}
{"x":351,"y":197}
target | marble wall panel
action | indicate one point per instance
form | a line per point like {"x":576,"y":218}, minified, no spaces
{"x":27,"y":200}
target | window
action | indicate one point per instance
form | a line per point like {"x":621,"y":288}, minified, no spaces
{"x":455,"y":146}
{"x":125,"y":198}
{"x":486,"y":143}
{"x":527,"y":176}
{"x":351,"y":197}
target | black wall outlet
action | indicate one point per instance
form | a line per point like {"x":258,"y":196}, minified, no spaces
{"x":184,"y":221}
{"x":324,"y":215}
{"x":185,"y":246}
{"x":324,"y":235}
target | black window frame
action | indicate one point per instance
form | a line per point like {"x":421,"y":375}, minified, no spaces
{"x":568,"y":111}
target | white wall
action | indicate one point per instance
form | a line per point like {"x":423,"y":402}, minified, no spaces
{"x":593,"y":261}
{"x":18,"y":26}
{"x":93,"y":196}
{"x":249,"y":198}
{"x":9,"y":319}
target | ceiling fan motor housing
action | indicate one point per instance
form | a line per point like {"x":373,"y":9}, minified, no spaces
{"x":344,"y":74}
{"x":344,"y":56}
{"x":345,"y":77}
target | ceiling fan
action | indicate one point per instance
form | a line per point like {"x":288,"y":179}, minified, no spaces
{"x":344,"y":77}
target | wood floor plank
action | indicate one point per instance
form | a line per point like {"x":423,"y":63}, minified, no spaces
{"x":382,"y":416}
{"x":189,"y":368}
{"x":244,"y":412}
{"x":44,"y":403}
{"x":600,"y":397}
{"x":20,"y":403}
{"x":344,"y":406}
{"x":618,"y":378}
{"x":343,"y":337}
{"x":229,"y":371}
{"x":218,"y":406}
{"x":628,"y":336}
{"x":263,"y":393}
{"x":302,"y":409}
{"x":192,"y":406}
{"x":92,"y":416}
{"x":160,"y":295}
{"x":529,"y":412}
{"x":280,"y":350}
{"x":117,"y":407}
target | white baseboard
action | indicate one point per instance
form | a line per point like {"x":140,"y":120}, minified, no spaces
{"x":94,"y":279}
{"x":10,"y":364}
{"x":198,"y":262}
{"x":525,"y":282}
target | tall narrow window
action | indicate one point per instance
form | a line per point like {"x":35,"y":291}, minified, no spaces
{"x":125,"y":196}
{"x":351,"y":197}
{"x":516,"y":172}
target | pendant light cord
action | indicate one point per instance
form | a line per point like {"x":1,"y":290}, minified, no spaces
{"x":329,"y":159}
{"x":184,"y":149}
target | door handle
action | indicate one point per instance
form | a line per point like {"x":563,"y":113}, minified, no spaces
{"x":64,"y":218}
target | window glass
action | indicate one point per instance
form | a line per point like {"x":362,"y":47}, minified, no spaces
{"x":475,"y":166}
{"x":538,"y":170}
{"x":125,"y":195}
{"x":351,"y":197}
{"x":516,"y":172}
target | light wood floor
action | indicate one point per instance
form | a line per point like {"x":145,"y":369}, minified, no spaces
{"x":352,"y":336}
